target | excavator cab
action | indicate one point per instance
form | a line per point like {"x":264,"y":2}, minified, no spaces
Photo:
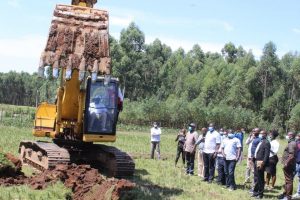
{"x":101,"y":107}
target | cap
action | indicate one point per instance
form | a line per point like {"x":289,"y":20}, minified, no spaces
{"x":192,"y":125}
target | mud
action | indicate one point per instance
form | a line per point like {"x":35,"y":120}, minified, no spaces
{"x":10,"y":166}
{"x":84,"y":181}
{"x":74,"y":36}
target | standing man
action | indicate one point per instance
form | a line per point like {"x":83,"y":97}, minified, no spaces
{"x":200,"y":143}
{"x":297,"y":194}
{"x":261,"y":159}
{"x":289,"y":164}
{"x":250,"y":166}
{"x":240,"y":135}
{"x":231,"y":149}
{"x":273,"y":159}
{"x":211,"y":147}
{"x":221,"y":162}
{"x":155,"y":140}
{"x":189,"y":148}
{"x":181,"y":140}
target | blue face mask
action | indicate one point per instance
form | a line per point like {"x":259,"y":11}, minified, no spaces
{"x":190,"y":128}
{"x":230,"y":135}
{"x":211,"y":129}
{"x":260,"y":136}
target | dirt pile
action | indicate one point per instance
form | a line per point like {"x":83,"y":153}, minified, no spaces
{"x":85,"y":182}
{"x":10,"y":166}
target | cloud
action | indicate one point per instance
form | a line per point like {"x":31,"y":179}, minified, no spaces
{"x":14,"y":3}
{"x":296,"y":30}
{"x":228,"y":27}
{"x":21,"y":54}
{"x":121,"y":21}
{"x":146,"y":17}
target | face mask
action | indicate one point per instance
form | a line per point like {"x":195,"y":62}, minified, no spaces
{"x":260,"y":136}
{"x":155,"y":126}
{"x":269,"y":138}
{"x":230,"y":135}
{"x":190,"y":128}
{"x":287,"y":137}
{"x":211,"y":129}
{"x":221,"y":133}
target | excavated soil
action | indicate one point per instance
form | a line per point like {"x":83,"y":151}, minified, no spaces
{"x":85,"y":182}
{"x":10,"y":166}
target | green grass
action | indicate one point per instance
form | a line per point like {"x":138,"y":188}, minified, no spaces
{"x":159,"y":179}
{"x":155,"y":179}
{"x":56,"y":191}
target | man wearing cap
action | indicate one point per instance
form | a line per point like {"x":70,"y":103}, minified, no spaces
{"x":189,"y":148}
{"x":289,"y":164}
{"x":155,"y":140}
{"x":211,"y":147}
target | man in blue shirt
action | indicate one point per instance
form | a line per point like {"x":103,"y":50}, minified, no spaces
{"x":231,"y":151}
{"x":240,"y":135}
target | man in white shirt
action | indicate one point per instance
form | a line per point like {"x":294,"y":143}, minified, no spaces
{"x":273,"y":159}
{"x":155,"y":140}
{"x":231,"y":149}
{"x":250,"y":166}
{"x":98,"y":113}
{"x":211,"y":146}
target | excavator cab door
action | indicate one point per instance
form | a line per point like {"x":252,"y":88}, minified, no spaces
{"x":101,"y":107}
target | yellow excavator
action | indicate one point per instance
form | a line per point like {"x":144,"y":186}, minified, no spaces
{"x":88,"y":99}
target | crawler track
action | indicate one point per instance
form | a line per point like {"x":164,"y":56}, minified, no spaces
{"x":46,"y":155}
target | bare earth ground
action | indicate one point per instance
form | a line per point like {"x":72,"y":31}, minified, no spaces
{"x":84,"y":181}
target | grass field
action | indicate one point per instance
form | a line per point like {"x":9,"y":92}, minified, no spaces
{"x":156,"y":179}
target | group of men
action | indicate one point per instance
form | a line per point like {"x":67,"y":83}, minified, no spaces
{"x":223,"y":150}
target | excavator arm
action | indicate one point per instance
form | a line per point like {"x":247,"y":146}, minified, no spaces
{"x":84,"y":3}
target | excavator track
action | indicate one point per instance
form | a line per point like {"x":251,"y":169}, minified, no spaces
{"x":43,"y":155}
{"x":46,"y":155}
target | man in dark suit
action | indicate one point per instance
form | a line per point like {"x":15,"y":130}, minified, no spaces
{"x":260,"y":160}
{"x":289,"y":164}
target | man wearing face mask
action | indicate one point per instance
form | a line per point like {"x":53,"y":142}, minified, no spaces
{"x":261,"y":159}
{"x":273,"y":159}
{"x":221,"y":161}
{"x":289,"y":164}
{"x":254,"y":144}
{"x":155,"y":140}
{"x":231,"y":149}
{"x":211,"y":147}
{"x":200,"y":144}
{"x":189,"y":148}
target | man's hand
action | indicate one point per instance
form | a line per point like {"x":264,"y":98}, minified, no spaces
{"x":261,"y":165}
{"x":215,"y":155}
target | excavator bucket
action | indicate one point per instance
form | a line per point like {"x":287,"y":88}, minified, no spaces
{"x":78,"y":39}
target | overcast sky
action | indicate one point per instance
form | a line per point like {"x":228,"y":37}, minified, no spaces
{"x":209,"y":23}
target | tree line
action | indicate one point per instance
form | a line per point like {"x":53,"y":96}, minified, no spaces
{"x":231,"y":88}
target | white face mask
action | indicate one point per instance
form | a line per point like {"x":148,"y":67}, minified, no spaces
{"x":287,"y":137}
